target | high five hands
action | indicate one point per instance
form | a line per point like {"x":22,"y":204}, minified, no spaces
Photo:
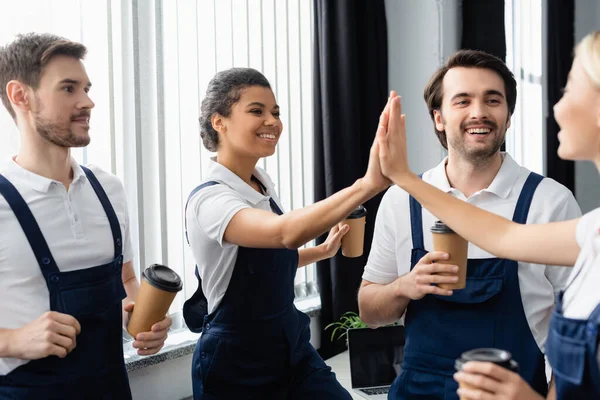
{"x":390,"y":141}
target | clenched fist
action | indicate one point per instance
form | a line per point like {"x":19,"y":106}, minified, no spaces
{"x":52,"y":334}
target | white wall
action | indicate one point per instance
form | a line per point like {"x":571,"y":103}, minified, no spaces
{"x":587,"y":188}
{"x":421,"y":35}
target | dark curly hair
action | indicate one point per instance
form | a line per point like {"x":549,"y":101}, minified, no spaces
{"x":224,"y":90}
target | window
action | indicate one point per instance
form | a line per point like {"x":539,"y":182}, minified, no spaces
{"x":525,"y":138}
{"x":203,"y":37}
{"x":150,"y":62}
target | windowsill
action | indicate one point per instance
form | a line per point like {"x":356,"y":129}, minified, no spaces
{"x":181,"y":342}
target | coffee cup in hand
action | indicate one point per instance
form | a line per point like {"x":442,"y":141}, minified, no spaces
{"x":353,"y":241}
{"x":158,"y":289}
{"x":448,"y":241}
{"x":499,"y":357}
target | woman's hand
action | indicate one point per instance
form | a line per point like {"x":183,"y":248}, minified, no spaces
{"x":392,"y":144}
{"x":374,"y":179}
{"x":488,"y":381}
{"x":332,"y":244}
{"x":325,"y":250}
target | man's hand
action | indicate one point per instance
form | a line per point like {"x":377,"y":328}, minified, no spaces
{"x":52,"y":334}
{"x":488,"y":381}
{"x":418,"y":282}
{"x":149,"y":343}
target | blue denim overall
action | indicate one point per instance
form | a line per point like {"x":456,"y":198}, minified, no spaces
{"x":95,"y":369}
{"x":572,"y":347}
{"x":255,"y":345}
{"x":487,"y":313}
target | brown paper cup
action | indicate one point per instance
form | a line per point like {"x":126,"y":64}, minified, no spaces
{"x":353,"y":241}
{"x":457,"y":248}
{"x":157,"y":291}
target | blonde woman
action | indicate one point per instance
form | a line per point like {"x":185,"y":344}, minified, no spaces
{"x":572,"y":345}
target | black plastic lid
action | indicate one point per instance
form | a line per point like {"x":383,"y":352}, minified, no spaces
{"x":163,"y":278}
{"x":499,"y":357}
{"x":440,"y":227}
{"x":358,"y":212}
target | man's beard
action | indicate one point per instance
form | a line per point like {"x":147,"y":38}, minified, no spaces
{"x":59,"y":134}
{"x":480,"y":155}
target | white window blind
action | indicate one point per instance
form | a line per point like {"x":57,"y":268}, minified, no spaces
{"x":525,"y":138}
{"x":206,"y":36}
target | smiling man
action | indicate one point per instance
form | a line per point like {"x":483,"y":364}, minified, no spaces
{"x":505,"y":304}
{"x":65,"y":252}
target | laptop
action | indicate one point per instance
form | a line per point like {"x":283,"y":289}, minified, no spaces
{"x":375,"y":359}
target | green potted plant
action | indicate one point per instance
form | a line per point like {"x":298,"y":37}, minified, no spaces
{"x":349,"y":320}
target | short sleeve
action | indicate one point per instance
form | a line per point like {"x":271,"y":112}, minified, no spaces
{"x":586,"y":226}
{"x":383,"y":262}
{"x":212,"y":208}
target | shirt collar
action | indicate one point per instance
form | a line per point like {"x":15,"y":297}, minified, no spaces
{"x":219,"y":172}
{"x":506,"y":177}
{"x":38,"y":182}
{"x":501,"y":186}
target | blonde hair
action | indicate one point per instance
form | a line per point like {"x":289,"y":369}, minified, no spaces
{"x":588,"y":54}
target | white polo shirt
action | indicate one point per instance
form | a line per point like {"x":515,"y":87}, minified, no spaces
{"x":75,"y":227}
{"x":582,"y":295}
{"x":208,"y":214}
{"x":392,"y":241}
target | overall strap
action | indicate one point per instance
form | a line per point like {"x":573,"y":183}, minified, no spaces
{"x":196,"y":190}
{"x":594,"y":317}
{"x":524,"y":202}
{"x":195,"y":309}
{"x":416,"y":222}
{"x":30,"y":227}
{"x":113,"y":220}
{"x":274,"y":207}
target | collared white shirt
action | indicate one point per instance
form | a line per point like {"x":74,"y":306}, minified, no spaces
{"x":75,"y":227}
{"x":392,"y":241}
{"x":208,"y":214}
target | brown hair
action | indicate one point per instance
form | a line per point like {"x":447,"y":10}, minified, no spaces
{"x":25,"y":58}
{"x":433,"y":93}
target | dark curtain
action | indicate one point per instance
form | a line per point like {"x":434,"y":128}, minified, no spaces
{"x":350,"y":91}
{"x":561,"y":40}
{"x":483,"y":27}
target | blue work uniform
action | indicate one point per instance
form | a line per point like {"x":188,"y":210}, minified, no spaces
{"x":572,"y":349}
{"x":488,"y":312}
{"x":255,"y":345}
{"x":95,"y":369}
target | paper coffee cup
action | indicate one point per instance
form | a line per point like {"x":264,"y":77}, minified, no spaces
{"x":499,"y":357}
{"x":446,"y":240}
{"x":159,"y":287}
{"x":353,"y":241}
